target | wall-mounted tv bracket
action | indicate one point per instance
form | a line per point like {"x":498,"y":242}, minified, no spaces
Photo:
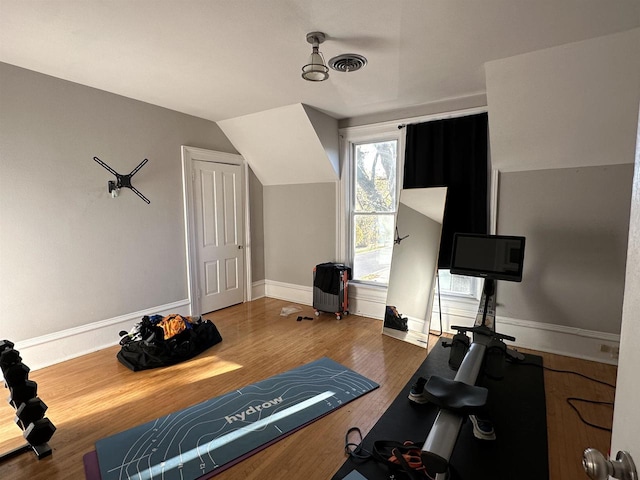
{"x":398,"y":238}
{"x":123,"y":180}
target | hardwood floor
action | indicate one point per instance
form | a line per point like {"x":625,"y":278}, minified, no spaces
{"x":94,"y":396}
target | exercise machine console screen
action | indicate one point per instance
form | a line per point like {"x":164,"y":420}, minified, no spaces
{"x":496,"y":257}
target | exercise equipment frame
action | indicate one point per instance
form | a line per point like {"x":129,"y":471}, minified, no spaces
{"x":440,"y":442}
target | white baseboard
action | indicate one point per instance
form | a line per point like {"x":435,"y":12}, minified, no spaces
{"x":544,"y":337}
{"x":64,"y":345}
{"x":40,"y":352}
{"x":289,"y":292}
{"x":258,"y":290}
{"x":571,"y":342}
{"x":365,"y":301}
{"x":600,"y":347}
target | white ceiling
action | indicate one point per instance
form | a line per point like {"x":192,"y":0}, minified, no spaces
{"x":221,"y":59}
{"x":304,"y":157}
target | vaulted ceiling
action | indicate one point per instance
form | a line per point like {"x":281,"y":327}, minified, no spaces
{"x":239,"y":61}
{"x":220,"y":59}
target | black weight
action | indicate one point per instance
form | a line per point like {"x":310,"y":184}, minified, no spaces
{"x":16,"y":374}
{"x":5,"y":344}
{"x":9,"y":357}
{"x":39,"y":432}
{"x":22,"y":392}
{"x":30,"y":411}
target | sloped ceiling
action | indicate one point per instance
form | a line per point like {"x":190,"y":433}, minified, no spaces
{"x":239,"y":62}
{"x":221,"y":59}
{"x":287,"y":145}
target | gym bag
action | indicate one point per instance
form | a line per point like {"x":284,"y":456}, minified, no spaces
{"x":162,"y":341}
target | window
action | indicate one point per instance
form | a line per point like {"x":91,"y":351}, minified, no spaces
{"x":459,"y":285}
{"x":371,"y":159}
{"x":374,"y":204}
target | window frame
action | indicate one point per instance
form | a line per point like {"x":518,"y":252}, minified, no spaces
{"x":351,"y":137}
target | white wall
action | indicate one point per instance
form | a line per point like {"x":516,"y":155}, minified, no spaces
{"x":567,"y":106}
{"x":283,"y":148}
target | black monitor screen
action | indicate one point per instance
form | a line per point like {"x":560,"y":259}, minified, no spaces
{"x":498,"y":257}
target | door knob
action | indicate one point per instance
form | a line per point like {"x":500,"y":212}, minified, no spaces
{"x":240,"y":247}
{"x":599,"y":468}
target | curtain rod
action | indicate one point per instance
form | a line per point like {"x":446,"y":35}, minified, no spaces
{"x":435,"y":117}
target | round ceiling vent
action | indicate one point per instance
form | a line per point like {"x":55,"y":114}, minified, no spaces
{"x":347,"y":62}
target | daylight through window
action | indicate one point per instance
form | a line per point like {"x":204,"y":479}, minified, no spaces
{"x":374,"y":208}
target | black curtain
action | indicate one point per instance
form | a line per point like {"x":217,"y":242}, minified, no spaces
{"x":451,"y":153}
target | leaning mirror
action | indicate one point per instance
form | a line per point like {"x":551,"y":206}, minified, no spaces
{"x":414,"y":264}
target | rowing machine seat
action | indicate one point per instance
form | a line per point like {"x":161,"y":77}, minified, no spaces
{"x":456,"y":396}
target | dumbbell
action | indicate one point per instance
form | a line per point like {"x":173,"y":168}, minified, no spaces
{"x":39,"y":432}
{"x":22,"y":392}
{"x":16,"y":374}
{"x":5,"y":344}
{"x":9,"y":357}
{"x":29,"y":412}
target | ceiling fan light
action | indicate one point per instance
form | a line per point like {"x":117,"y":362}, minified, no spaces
{"x":316,"y":70}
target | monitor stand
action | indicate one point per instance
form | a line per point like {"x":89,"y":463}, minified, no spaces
{"x":486,"y":315}
{"x":487,"y":309}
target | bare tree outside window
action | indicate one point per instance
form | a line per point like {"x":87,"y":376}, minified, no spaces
{"x":374,"y":208}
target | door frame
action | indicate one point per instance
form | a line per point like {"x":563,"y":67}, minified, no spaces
{"x":189,"y":154}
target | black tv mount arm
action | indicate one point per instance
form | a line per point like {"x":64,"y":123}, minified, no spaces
{"x":123,"y":181}
{"x":398,"y":238}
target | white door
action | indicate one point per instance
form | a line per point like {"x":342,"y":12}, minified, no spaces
{"x":626,"y":416}
{"x":218,"y":221}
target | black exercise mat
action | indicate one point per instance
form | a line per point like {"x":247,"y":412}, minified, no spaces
{"x":516,"y":406}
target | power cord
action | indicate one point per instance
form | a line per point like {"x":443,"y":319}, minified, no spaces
{"x":600,"y":427}
{"x":570,"y":400}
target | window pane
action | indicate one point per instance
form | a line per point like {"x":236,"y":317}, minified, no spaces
{"x":456,"y":284}
{"x":373,"y":247}
{"x":375,"y":177}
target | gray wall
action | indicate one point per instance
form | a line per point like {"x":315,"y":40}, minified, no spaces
{"x":576,"y":222}
{"x":299,"y":230}
{"x":69,"y":253}
{"x":257,"y":227}
{"x":326,"y":128}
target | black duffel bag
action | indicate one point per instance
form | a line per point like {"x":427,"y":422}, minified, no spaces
{"x":153,"y":350}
